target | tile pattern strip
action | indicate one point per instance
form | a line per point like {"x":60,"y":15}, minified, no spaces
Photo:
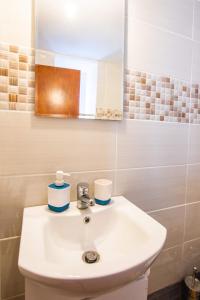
{"x":160,"y":98}
{"x":17,"y":78}
{"x":146,"y":96}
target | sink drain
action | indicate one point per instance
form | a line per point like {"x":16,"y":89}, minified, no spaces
{"x":90,"y":257}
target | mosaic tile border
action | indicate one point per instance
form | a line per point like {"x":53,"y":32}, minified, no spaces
{"x":17,"y":78}
{"x":151,"y":97}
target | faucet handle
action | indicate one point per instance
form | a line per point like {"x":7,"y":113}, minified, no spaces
{"x":83,"y":198}
{"x":82,"y":189}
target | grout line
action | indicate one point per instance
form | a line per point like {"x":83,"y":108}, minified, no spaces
{"x":53,"y":174}
{"x":10,"y":238}
{"x":172,"y":207}
{"x":193,"y":164}
{"x":173,"y":247}
{"x":159,"y":122}
{"x":151,"y":167}
{"x":124,"y":119}
{"x":165,"y":208}
{"x":96,"y":171}
{"x":193,"y":240}
{"x":188,"y":135}
{"x":103,"y":170}
{"x":192,"y":203}
{"x":188,"y":143}
{"x":20,"y":45}
{"x":185,"y":196}
{"x":14,"y":297}
{"x":160,"y":28}
{"x":193,"y":18}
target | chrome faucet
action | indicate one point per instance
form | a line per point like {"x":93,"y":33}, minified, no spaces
{"x":83,"y":199}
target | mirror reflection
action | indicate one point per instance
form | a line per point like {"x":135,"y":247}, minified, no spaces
{"x":79,"y":58}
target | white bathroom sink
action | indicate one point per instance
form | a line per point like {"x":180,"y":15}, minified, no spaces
{"x":52,"y":245}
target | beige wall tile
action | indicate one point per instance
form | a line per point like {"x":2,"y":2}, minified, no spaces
{"x":194,"y":145}
{"x":193,"y":179}
{"x":12,"y":282}
{"x":196,"y":59}
{"x":42,"y":145}
{"x":17,"y":193}
{"x":197,"y":20}
{"x":18,"y":31}
{"x":166,"y":59}
{"x":192,"y":226}
{"x":173,"y":220}
{"x":147,"y":144}
{"x":152,"y":188}
{"x":166,"y":269}
{"x":191,"y":256}
{"x":168,"y":16}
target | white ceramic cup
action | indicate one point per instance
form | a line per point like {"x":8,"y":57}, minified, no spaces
{"x":102,"y":189}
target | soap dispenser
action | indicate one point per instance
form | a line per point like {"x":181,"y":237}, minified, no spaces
{"x":59,"y":193}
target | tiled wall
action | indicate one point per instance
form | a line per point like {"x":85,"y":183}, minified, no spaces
{"x":17,"y":78}
{"x":160,"y":98}
{"x":162,"y":83}
{"x":146,"y":96}
{"x":154,"y":164}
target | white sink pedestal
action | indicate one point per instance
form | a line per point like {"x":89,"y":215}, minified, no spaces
{"x":136,"y":290}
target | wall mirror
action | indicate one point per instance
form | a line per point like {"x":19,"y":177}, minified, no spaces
{"x":79,"y":58}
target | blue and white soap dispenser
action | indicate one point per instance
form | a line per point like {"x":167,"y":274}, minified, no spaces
{"x":59,"y":193}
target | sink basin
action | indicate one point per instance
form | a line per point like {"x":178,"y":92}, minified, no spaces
{"x":126,"y":239}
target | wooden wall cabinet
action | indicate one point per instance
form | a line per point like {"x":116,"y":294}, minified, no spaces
{"x":57,"y":91}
